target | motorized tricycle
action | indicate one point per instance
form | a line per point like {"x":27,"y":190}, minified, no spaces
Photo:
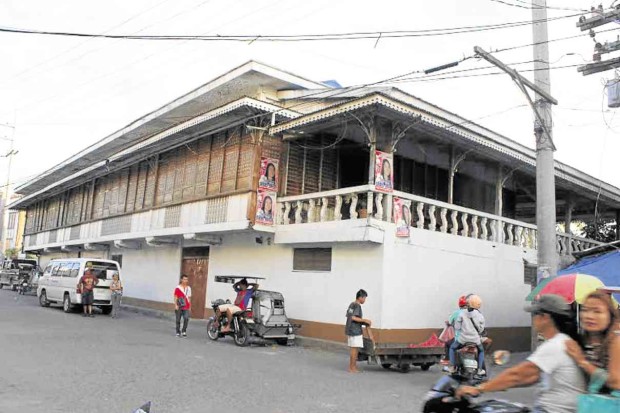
{"x":264,"y":318}
{"x":29,"y":282}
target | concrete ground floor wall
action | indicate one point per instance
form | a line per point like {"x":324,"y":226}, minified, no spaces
{"x":413,"y":283}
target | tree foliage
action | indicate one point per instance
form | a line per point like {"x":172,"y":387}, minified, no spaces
{"x":604,"y":230}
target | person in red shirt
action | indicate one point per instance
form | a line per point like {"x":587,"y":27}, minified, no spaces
{"x":182,"y":305}
{"x":244,"y":292}
{"x":86,"y":285}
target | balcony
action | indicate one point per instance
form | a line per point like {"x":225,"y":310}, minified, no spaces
{"x":214,"y":215}
{"x":362,"y":205}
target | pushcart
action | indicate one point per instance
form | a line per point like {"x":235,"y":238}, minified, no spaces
{"x":400,"y":356}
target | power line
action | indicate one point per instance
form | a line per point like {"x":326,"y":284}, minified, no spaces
{"x":550,"y":41}
{"x":56,"y":56}
{"x":529,"y":6}
{"x":295,"y":37}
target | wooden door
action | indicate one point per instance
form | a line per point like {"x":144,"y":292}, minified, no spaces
{"x":197,"y":269}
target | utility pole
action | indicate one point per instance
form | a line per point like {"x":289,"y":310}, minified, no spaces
{"x":541,"y":106}
{"x":5,"y":209}
{"x":545,"y":164}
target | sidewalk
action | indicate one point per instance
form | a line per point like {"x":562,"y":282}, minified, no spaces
{"x":301,"y":341}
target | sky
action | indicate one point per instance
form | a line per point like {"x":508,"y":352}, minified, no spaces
{"x":63,"y":94}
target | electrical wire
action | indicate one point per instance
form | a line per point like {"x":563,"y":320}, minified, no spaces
{"x":58,"y":55}
{"x":505,"y":49}
{"x":531,"y":6}
{"x":296,"y":37}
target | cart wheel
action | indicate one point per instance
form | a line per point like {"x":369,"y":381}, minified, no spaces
{"x":386,"y":366}
{"x":426,"y":366}
{"x":282,"y":341}
{"x":242,"y":336}
{"x":404,"y":368}
{"x":212,"y":331}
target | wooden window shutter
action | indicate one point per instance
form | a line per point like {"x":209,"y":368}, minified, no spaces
{"x":295,"y":170}
{"x":312,"y":259}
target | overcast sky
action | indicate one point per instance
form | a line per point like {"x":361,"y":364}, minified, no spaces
{"x":63,"y":94}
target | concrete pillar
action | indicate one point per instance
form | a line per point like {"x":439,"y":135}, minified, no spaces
{"x":568,"y":216}
{"x":451,"y":172}
{"x":499,"y":191}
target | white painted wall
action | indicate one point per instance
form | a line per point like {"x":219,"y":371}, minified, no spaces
{"x":425,"y":274}
{"x":322,"y":297}
{"x":412,"y":283}
{"x":150,"y":273}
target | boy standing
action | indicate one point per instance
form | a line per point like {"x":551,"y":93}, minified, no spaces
{"x":182,"y":305}
{"x":353,"y":328}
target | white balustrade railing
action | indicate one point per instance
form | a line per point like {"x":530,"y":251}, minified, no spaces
{"x":429,"y":214}
{"x":567,"y":243}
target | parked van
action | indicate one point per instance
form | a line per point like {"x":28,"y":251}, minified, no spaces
{"x":58,"y":284}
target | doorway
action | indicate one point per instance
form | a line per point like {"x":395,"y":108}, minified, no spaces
{"x":353,"y":165}
{"x":196,"y":266}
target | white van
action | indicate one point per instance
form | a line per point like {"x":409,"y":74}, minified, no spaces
{"x":58,"y":284}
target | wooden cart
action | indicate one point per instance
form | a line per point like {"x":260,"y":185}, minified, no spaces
{"x":400,"y":356}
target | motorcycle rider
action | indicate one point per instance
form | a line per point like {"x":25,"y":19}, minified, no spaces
{"x":462,"y":304}
{"x":468,"y":326}
{"x":560,"y":379}
{"x":244,"y":291}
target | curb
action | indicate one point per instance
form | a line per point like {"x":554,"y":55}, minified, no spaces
{"x":317,"y":343}
{"x":300,"y":341}
{"x":149,"y":312}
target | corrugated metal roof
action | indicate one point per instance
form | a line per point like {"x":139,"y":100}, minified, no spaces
{"x":247,"y":79}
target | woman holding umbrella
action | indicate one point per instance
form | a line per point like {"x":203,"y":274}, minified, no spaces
{"x":599,"y":357}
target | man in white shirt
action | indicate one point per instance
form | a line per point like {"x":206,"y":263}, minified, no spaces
{"x":560,"y":380}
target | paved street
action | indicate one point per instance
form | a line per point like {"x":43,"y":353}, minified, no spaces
{"x":57,"y":362}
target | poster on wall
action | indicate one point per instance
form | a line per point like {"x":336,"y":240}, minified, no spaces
{"x":402,"y":218}
{"x":265,"y":203}
{"x":268,"y":174}
{"x":384,"y":178}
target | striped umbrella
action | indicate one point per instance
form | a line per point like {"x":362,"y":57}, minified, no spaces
{"x":572,"y":287}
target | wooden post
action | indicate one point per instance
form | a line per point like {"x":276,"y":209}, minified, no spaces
{"x":499,"y":201}
{"x":372,"y":127}
{"x":451,"y":172}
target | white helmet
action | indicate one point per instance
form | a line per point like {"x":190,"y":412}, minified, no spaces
{"x":474,"y":301}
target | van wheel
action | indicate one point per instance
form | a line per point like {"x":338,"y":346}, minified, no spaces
{"x":106,"y":310}
{"x":66,"y":304}
{"x":43,"y":299}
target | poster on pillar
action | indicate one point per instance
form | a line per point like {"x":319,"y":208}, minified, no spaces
{"x":384,"y":177}
{"x":265,"y":202}
{"x":402,"y":217}
{"x":268,"y":174}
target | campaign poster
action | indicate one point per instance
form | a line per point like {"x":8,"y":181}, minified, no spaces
{"x":384,"y":176}
{"x":402,"y":218}
{"x":265,"y":207}
{"x":268,"y":174}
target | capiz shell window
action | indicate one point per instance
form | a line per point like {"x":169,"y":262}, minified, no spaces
{"x":312,"y":259}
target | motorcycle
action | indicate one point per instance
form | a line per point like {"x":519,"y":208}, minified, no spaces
{"x":441,"y":399}
{"x":467,"y":364}
{"x":238,"y":330}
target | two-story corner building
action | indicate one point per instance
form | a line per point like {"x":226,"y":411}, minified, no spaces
{"x":321,"y":190}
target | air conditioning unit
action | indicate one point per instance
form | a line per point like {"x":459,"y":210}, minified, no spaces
{"x":613,"y":93}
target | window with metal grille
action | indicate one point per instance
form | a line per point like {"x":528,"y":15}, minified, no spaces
{"x":118,"y":258}
{"x":312,"y":259}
